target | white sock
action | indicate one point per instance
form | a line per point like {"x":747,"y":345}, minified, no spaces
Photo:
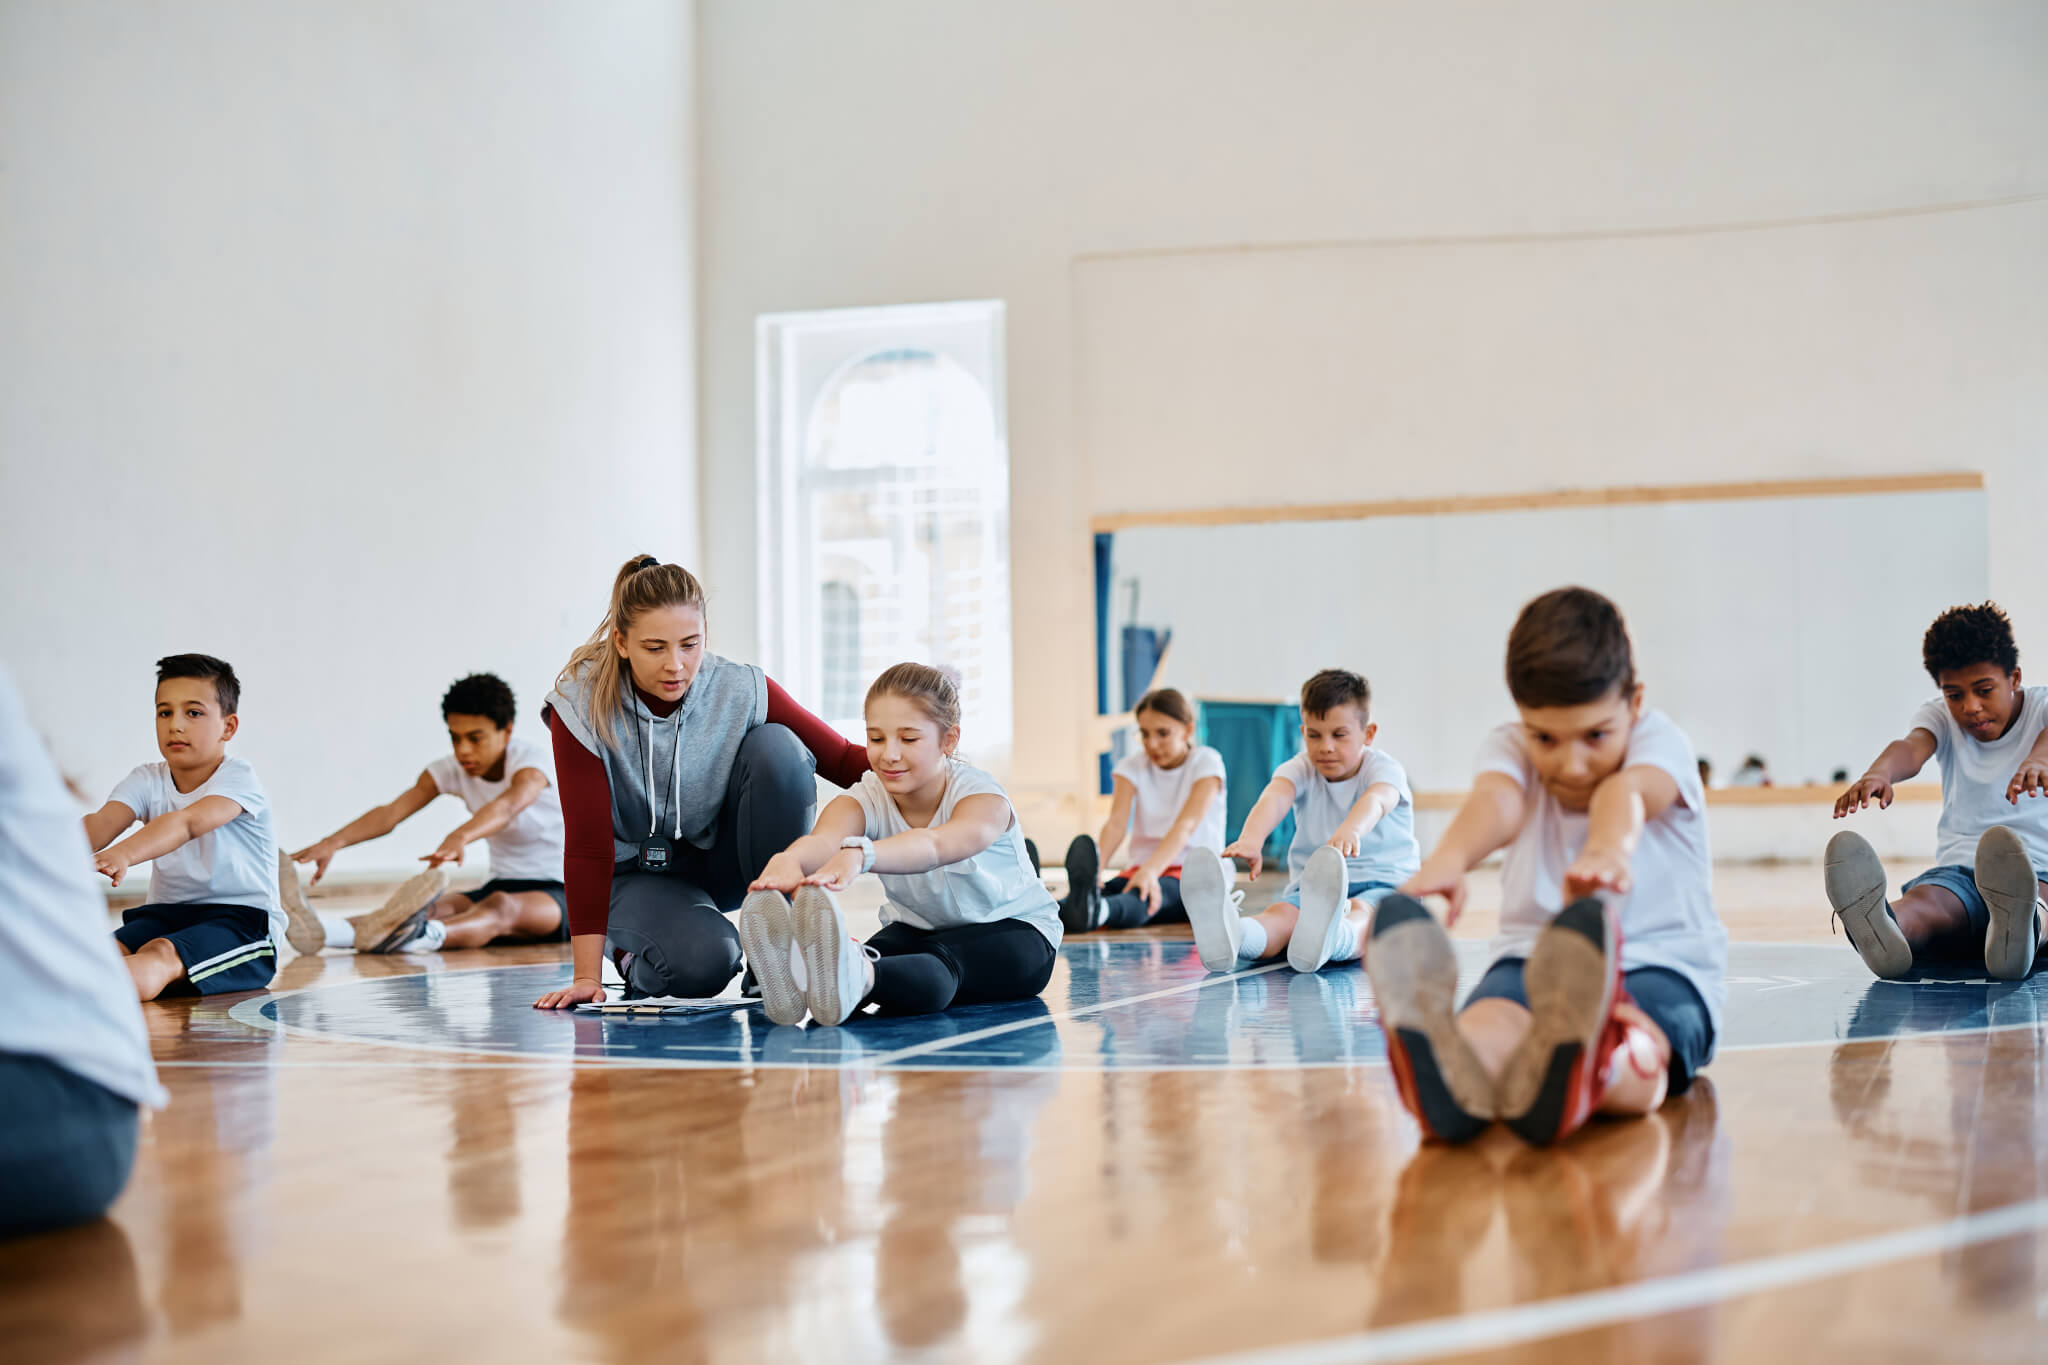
{"x":340,"y":933}
{"x":429,"y":939}
{"x":1347,"y":943}
{"x":1253,"y":943}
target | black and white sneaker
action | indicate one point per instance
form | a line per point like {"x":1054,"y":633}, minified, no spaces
{"x":1082,"y":910}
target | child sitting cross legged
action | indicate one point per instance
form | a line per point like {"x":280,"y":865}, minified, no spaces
{"x":1168,"y":795}
{"x":508,"y":783}
{"x":1354,"y":841}
{"x":1982,"y":901}
{"x":212,"y":915}
{"x":1609,"y":971}
{"x":967,"y":921}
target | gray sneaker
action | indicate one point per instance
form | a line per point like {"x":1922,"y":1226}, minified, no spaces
{"x":391,"y":925}
{"x":2005,"y":878}
{"x":305,"y":933}
{"x":1855,"y":881}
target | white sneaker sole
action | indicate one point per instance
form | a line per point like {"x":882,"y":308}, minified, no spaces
{"x":1205,"y":895}
{"x":1854,"y":876}
{"x":821,"y":937}
{"x":1323,"y":884}
{"x":766,"y":936}
{"x":2005,"y":878}
{"x":303,"y":929}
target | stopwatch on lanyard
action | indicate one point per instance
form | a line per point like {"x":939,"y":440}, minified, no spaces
{"x":657,"y":850}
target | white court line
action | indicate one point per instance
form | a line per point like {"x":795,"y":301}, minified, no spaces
{"x":1503,"y":1327}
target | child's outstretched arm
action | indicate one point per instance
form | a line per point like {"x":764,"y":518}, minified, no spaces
{"x":1371,"y":807}
{"x":2032,"y":777}
{"x":1145,"y":881}
{"x":374,"y":823}
{"x":492,"y":816}
{"x":1119,"y":822}
{"x":1263,"y":818}
{"x":1491,"y":815}
{"x":1621,"y":806}
{"x":168,"y":831}
{"x":104,"y":825}
{"x":841,"y":819}
{"x":978,"y":821}
{"x":1901,"y":759}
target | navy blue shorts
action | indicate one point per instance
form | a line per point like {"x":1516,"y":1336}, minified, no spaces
{"x":513,"y":886}
{"x":1961,"y":880}
{"x":224,"y":947}
{"x":1668,"y":998}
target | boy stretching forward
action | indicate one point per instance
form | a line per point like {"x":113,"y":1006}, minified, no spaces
{"x":1354,"y":841}
{"x":1608,"y":978}
{"x":212,"y":914}
{"x":508,"y":783}
{"x":1990,"y":735}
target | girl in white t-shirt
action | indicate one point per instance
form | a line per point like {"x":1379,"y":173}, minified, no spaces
{"x":967,"y":921}
{"x":1168,"y":795}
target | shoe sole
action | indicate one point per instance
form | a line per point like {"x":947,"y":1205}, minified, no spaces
{"x":1205,"y":895}
{"x":765,"y":934}
{"x":1323,"y":884}
{"x":303,"y":929}
{"x":1414,"y":975}
{"x":821,"y":937}
{"x":1570,"y":978}
{"x":1855,"y":881}
{"x":2005,"y":878}
{"x":1084,"y":872}
{"x":399,"y":918}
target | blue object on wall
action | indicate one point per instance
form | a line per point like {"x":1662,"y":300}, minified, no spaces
{"x":1142,"y":647}
{"x":1254,"y":738}
{"x":1104,"y":568}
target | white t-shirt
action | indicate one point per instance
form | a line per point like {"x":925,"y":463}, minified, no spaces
{"x":530,"y":848}
{"x":64,"y":994}
{"x":1161,"y":792}
{"x":1667,"y":918}
{"x":1974,"y":776}
{"x":1388,"y":852}
{"x":995,"y":884}
{"x":234,"y":865}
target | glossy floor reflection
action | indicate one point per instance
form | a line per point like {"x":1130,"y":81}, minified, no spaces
{"x":418,"y":1167}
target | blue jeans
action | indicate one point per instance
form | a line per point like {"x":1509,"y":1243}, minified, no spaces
{"x":1668,"y":998}
{"x":1373,"y":892}
{"x":1961,"y":880}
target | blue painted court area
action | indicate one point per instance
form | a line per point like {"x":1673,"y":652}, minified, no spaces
{"x":1134,"y":1004}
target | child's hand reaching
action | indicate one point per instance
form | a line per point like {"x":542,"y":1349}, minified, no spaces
{"x":838,"y":872}
{"x":1439,"y":879}
{"x":2030,"y":780}
{"x":784,"y":873}
{"x":320,"y":855}
{"x":450,"y":851}
{"x":1596,"y":869}
{"x":112,"y":864}
{"x":1144,"y":883}
{"x":1253,"y":855}
{"x":1345,"y":840}
{"x":1868,"y":788}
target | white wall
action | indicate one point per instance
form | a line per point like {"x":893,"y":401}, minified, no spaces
{"x":349,"y":340}
{"x":929,"y":149}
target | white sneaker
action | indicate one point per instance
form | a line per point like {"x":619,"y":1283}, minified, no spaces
{"x":304,"y":931}
{"x":771,"y":951}
{"x":840,"y":972}
{"x":1323,"y":905}
{"x":1212,"y":908}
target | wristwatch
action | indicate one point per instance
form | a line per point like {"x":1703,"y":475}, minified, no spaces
{"x":867,"y":850}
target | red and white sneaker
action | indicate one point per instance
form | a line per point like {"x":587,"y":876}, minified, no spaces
{"x":1414,"y":976}
{"x":1555,"y":1079}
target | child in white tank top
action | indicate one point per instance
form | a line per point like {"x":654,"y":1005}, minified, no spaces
{"x":967,"y":920}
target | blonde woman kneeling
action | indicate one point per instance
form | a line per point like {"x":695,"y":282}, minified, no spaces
{"x":967,"y":920}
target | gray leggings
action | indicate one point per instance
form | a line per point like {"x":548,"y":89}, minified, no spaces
{"x":66,"y":1146}
{"x":674,"y":923}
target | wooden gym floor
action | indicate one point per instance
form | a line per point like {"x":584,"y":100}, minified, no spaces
{"x":394,"y":1159}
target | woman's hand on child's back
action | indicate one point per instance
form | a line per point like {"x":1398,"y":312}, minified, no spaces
{"x":2030,"y":780}
{"x":1866,"y":789}
{"x":1253,"y":855}
{"x":784,"y":873}
{"x":580,"y":991}
{"x":1439,"y":879}
{"x":838,"y":872}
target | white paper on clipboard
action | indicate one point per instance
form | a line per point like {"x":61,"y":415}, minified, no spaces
{"x":668,"y":1004}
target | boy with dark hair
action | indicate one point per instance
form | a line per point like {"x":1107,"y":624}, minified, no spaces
{"x":1982,"y":899}
{"x":1354,"y":841}
{"x":1610,"y":967}
{"x":212,"y":914}
{"x":508,"y":783}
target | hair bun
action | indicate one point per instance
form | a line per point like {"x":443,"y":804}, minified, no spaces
{"x":647,"y":562}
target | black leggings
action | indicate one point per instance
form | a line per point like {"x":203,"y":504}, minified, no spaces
{"x":1123,"y":909}
{"x":923,"y":971}
{"x":674,"y":923}
{"x":66,"y":1146}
